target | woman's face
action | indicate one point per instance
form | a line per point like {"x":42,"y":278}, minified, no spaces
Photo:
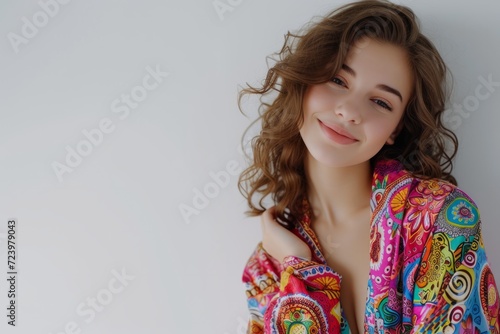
{"x":365,"y":100}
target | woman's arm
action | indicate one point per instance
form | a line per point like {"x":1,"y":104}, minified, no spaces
{"x":294,"y":294}
{"x":455,"y":291}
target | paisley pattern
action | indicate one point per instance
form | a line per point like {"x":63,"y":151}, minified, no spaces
{"x":428,"y":268}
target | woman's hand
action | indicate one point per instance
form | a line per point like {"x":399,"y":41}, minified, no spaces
{"x":280,"y":242}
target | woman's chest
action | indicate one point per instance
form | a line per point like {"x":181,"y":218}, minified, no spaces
{"x":347,"y":252}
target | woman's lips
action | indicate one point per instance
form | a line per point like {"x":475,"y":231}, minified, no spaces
{"x":332,"y":132}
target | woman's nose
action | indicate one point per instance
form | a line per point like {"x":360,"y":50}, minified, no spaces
{"x":349,"y":110}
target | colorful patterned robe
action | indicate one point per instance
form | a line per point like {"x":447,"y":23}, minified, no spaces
{"x":428,"y":268}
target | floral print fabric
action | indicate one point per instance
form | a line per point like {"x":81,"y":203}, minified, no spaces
{"x":428,"y":268}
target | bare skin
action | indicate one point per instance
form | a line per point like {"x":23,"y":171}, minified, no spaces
{"x":343,"y":230}
{"x":346,"y":250}
{"x":344,"y":242}
{"x":278,"y":241}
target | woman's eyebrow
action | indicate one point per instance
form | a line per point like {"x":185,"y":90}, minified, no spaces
{"x":380,"y":86}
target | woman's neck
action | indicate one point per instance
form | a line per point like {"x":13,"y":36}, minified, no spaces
{"x":335,"y":194}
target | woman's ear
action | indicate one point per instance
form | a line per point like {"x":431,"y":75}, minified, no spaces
{"x":395,"y":133}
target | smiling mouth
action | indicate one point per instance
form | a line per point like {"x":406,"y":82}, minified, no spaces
{"x":336,"y":136}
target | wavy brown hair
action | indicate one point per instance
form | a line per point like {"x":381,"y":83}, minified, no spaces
{"x":314,"y":57}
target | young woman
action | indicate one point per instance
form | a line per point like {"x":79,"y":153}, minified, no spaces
{"x":369,"y":232}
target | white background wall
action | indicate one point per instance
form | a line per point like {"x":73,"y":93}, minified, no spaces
{"x":119,"y":208}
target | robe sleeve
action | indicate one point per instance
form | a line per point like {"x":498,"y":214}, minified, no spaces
{"x":296,"y":295}
{"x":455,"y":291}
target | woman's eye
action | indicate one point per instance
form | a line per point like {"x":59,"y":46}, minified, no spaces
{"x":338,"y":81}
{"x":383,"y":104}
